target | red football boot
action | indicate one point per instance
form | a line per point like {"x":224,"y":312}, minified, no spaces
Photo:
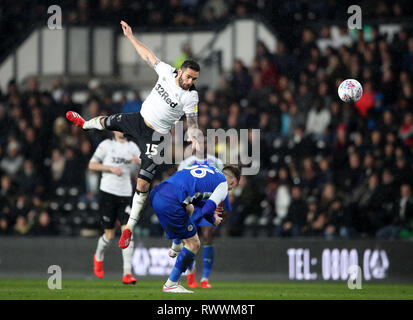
{"x":75,"y":118}
{"x":190,"y":279}
{"x":125,"y":238}
{"x":128,"y":279}
{"x":205,"y":285}
{"x":98,"y":267}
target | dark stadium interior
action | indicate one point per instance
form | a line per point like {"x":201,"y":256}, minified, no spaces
{"x":328,"y":169}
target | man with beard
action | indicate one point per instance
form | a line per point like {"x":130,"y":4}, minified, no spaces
{"x":173,"y":95}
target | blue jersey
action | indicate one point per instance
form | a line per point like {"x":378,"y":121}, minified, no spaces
{"x":208,"y":160}
{"x":199,"y":182}
{"x":200,"y":185}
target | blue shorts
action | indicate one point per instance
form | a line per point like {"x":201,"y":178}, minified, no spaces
{"x":171,"y":214}
{"x":199,"y":220}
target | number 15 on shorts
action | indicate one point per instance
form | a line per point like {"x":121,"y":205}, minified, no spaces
{"x":151,"y":149}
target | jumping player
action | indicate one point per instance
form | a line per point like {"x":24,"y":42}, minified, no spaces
{"x":173,"y":201}
{"x":173,"y":96}
{"x":113,"y":158}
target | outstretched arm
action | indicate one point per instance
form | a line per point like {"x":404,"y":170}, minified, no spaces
{"x":144,"y":52}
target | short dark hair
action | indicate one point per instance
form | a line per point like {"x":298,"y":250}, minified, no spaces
{"x":236,"y":172}
{"x":191,"y":64}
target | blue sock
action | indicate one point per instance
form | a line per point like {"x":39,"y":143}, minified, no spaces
{"x":191,"y":266}
{"x":177,"y":241}
{"x":207,"y":261}
{"x":183,"y":261}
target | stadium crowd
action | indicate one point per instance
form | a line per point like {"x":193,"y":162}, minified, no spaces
{"x":184,"y":13}
{"x":327,"y":168}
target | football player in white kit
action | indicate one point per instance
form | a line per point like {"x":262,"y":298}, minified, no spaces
{"x":114,"y":158}
{"x":173,"y":96}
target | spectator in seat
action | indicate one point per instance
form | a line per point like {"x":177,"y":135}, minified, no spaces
{"x":366,"y":205}
{"x":367,"y":99}
{"x":133,"y":105}
{"x":282,"y":196}
{"x":406,"y":130}
{"x":293,"y":223}
{"x":22,"y":226}
{"x":402,"y":215}
{"x":402,"y":172}
{"x":318,"y":120}
{"x":338,"y":221}
{"x":240,"y":80}
{"x":5,"y":228}
{"x":407,"y":61}
{"x":325,"y":174}
{"x":311,"y":227}
{"x":13,"y":161}
{"x":268,"y":74}
{"x":43,"y":225}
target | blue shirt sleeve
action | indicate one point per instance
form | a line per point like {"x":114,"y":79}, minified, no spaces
{"x":208,"y":211}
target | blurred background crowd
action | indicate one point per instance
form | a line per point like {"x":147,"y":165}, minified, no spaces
{"x":327,"y":168}
{"x":189,"y":13}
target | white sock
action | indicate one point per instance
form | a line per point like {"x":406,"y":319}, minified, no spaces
{"x":127,"y":258}
{"x":177,"y":247}
{"x":93,"y":123}
{"x":103,"y":243}
{"x":170,"y":283}
{"x":138,"y":201}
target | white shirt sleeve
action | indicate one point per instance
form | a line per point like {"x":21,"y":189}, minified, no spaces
{"x":163,"y":68}
{"x":191,"y":105}
{"x":182,"y":165}
{"x":220,"y":193}
{"x":100,"y":152}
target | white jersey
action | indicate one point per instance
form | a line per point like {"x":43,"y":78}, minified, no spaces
{"x":118,"y":154}
{"x":193,"y":160}
{"x":168,"y":102}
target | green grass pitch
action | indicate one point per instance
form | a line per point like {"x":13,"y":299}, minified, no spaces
{"x":24,"y":289}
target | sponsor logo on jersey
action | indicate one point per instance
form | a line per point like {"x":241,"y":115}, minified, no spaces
{"x":119,"y":160}
{"x":165,"y":95}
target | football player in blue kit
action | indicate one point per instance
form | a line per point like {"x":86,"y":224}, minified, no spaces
{"x":206,"y":230}
{"x":173,"y":201}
